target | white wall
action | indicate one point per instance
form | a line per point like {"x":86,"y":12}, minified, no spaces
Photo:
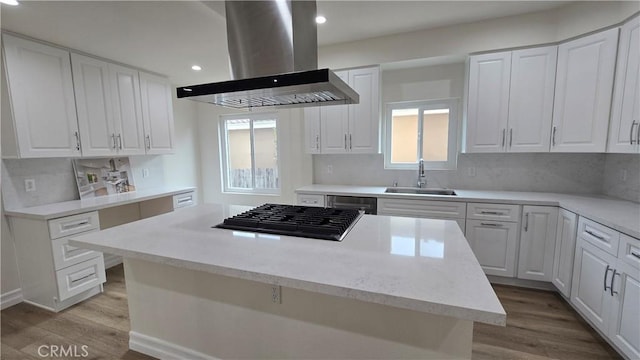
{"x":183,"y":167}
{"x":295,"y":165}
{"x":508,"y":32}
{"x":422,"y":83}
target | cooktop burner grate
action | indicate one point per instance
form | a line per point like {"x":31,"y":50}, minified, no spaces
{"x":302,"y":221}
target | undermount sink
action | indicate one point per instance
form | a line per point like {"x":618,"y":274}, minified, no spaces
{"x":420,"y":191}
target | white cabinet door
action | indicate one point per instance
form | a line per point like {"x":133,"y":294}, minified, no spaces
{"x":592,"y":271}
{"x":334,"y":124}
{"x":41,"y":90}
{"x":494,"y":245}
{"x":157,"y":114}
{"x":95,"y":109}
{"x":624,"y":330}
{"x":488,"y":102}
{"x":533,"y":75}
{"x":565,"y":250}
{"x":537,"y":242}
{"x":125,"y":93}
{"x":624,"y":132}
{"x":364,"y":117}
{"x":312,"y":129}
{"x":583,"y":93}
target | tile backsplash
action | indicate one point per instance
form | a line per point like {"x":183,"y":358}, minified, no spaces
{"x":567,"y":173}
{"x":622,"y":176}
{"x":55,"y":180}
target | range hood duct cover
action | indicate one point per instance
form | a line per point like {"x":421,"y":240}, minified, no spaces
{"x":273,"y":52}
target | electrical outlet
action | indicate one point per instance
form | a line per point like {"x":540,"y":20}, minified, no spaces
{"x":145,"y":173}
{"x":471,"y":172}
{"x":29,"y":185}
{"x":329,"y":169}
{"x":276,"y":294}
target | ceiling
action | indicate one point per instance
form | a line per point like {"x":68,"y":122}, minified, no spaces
{"x":168,"y":37}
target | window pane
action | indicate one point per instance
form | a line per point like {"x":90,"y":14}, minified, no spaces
{"x":435,"y":134}
{"x":239,"y":153}
{"x":404,"y":136}
{"x":266,"y":154}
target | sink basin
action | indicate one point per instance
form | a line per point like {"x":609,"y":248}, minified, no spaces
{"x":420,"y":191}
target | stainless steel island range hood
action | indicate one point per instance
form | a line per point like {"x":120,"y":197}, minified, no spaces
{"x":273,"y":51}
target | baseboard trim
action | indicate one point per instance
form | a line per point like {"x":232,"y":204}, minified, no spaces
{"x":162,"y":349}
{"x":10,"y":298}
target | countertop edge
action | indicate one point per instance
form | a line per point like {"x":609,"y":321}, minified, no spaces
{"x":26,"y":213}
{"x":474,"y":315}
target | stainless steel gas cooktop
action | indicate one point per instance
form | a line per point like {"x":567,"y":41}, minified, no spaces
{"x":302,"y":221}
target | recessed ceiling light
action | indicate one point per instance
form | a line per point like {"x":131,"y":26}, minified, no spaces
{"x":321,"y":19}
{"x":9,"y":2}
{"x":196,"y":68}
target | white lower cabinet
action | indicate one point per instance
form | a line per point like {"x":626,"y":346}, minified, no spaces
{"x":606,"y":284}
{"x":494,"y":245}
{"x":55,"y":275}
{"x":442,"y":210}
{"x":565,"y":250}
{"x":537,"y":242}
{"x":492,"y":233}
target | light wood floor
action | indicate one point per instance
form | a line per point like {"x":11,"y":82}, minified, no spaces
{"x":540,"y":325}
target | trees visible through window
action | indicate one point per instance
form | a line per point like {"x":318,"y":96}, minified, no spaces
{"x":250,"y":153}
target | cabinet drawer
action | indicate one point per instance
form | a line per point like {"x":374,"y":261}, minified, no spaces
{"x":65,"y":255}
{"x":310,"y":200}
{"x":74,"y":224}
{"x":629,"y":250}
{"x":422,"y":208}
{"x":494,"y":212}
{"x":601,"y":236}
{"x":80,"y":277}
{"x":184,"y":200}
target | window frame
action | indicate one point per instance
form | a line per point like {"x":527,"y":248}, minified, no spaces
{"x":452,"y":104}
{"x":224,"y":152}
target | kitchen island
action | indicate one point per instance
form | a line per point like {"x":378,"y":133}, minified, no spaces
{"x":393,"y":288}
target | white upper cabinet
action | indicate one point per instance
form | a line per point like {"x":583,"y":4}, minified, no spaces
{"x":624,"y":131}
{"x":157,"y":112}
{"x":95,"y":109}
{"x":488,"y":102}
{"x":340,"y":129}
{"x":40,"y":87}
{"x":510,"y":100}
{"x":125,"y":94}
{"x":533,"y":75}
{"x":364,"y":117}
{"x":583,"y":93}
{"x":312,"y":129}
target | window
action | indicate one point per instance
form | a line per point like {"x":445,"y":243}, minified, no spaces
{"x":249,"y":153}
{"x":421,"y":130}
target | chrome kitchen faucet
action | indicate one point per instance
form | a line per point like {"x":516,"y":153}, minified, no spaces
{"x":422,"y":179}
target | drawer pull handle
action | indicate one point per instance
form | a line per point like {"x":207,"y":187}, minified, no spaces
{"x":595,"y":235}
{"x":75,"y":224}
{"x":526,"y":222}
{"x":605,"y":277}
{"x":73,"y":281}
{"x":490,"y":224}
{"x":491,"y":212}
{"x":184,"y":200}
{"x":635,"y":255}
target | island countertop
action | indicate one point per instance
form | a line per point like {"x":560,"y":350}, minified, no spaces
{"x":417,"y":264}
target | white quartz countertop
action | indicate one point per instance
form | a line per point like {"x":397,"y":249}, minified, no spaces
{"x":418,"y":264}
{"x":52,"y":211}
{"x":620,"y":215}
